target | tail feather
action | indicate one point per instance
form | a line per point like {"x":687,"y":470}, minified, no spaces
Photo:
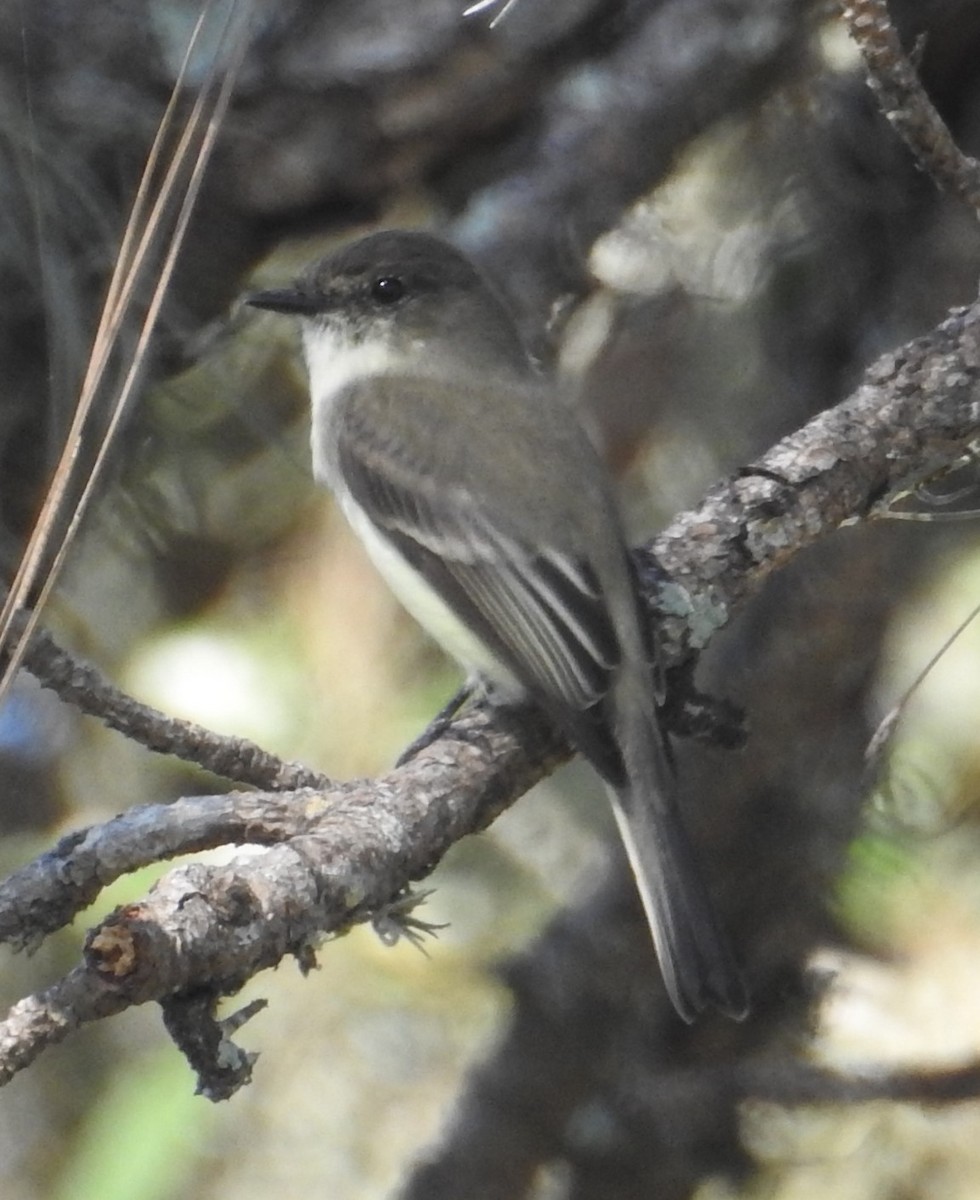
{"x":695,"y":957}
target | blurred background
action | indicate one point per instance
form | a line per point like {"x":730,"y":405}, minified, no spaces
{"x":701,"y":219}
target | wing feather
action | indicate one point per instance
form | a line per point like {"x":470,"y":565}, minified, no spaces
{"x":537,"y":608}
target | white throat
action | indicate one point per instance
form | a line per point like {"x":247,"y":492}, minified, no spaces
{"x":335,"y":361}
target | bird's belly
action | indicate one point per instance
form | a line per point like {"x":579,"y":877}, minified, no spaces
{"x":428,"y":608}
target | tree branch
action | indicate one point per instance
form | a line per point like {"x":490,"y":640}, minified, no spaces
{"x":791,"y":1084}
{"x":339,"y":854}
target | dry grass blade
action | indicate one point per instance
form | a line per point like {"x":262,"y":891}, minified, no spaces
{"x":482,"y":5}
{"x":886,"y":727}
{"x":152,"y":223}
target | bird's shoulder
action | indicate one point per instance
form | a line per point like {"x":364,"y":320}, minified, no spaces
{"x":485,"y":437}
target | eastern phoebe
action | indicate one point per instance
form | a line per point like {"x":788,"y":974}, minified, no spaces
{"x":482,"y":501}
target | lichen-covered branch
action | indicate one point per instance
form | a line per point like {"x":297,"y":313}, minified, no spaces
{"x":916,"y":414}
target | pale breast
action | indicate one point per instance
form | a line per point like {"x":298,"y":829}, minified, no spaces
{"x":425,"y":604}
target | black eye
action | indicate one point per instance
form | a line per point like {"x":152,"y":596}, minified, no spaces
{"x":389,"y":289}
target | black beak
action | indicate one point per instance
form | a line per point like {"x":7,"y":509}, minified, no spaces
{"x":283,"y":300}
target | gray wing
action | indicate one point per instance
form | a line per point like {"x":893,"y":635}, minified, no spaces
{"x":538,"y":609}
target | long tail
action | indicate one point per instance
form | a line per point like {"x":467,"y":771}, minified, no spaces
{"x":698,"y":966}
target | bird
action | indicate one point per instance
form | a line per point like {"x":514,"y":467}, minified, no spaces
{"x":482,"y":500}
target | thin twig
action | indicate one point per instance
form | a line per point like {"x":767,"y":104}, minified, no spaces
{"x":882,"y":736}
{"x":85,"y":687}
{"x":896,"y":84}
